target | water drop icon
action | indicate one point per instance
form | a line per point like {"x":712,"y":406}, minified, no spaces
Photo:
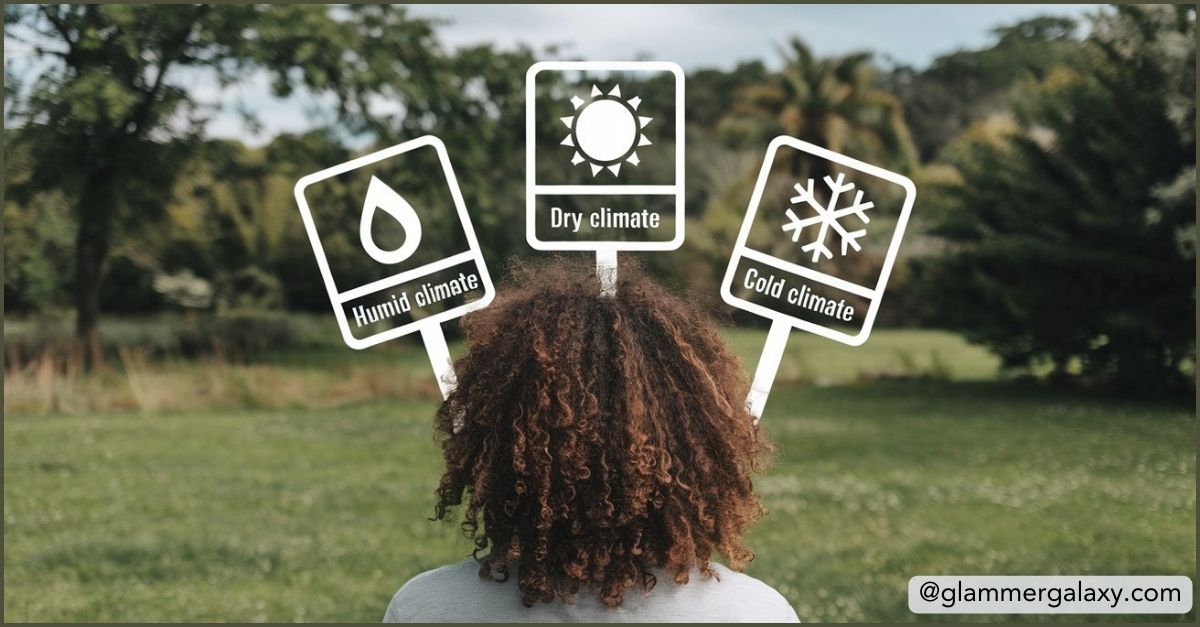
{"x":382,"y":197}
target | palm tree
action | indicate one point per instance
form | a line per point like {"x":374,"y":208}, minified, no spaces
{"x":833,"y":103}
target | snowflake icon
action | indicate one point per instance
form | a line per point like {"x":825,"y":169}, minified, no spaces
{"x":828,"y":216}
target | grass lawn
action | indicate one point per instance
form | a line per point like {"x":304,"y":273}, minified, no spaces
{"x":320,"y":513}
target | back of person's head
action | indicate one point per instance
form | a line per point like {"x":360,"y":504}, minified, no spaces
{"x":595,"y":438}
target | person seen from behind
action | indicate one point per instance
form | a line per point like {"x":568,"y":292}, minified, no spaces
{"x":601,"y":455}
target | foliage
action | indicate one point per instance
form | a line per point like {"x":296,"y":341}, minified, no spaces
{"x":108,"y":117}
{"x":966,"y":86}
{"x":1072,"y":233}
{"x":719,"y":91}
{"x":218,"y":218}
{"x":830,"y":102}
{"x":37,"y":245}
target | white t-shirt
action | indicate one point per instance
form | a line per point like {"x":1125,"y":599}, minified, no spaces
{"x":456,"y":594}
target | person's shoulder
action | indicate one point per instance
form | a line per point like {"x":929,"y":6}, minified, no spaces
{"x":765,"y":602}
{"x":429,"y":589}
{"x":442,"y":576}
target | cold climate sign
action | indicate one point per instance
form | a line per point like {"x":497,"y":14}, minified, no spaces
{"x":396,"y":254}
{"x":816,"y":247}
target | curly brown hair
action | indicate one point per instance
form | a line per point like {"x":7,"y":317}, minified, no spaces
{"x":596,"y":438}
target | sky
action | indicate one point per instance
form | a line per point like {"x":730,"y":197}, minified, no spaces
{"x":720,"y":35}
{"x":693,"y":36}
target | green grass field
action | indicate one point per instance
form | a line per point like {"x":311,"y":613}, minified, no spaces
{"x":321,"y":513}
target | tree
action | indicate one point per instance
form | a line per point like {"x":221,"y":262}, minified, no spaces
{"x":831,"y":102}
{"x":1071,"y":234}
{"x":963,"y":87}
{"x":108,"y":116}
{"x":712,"y":92}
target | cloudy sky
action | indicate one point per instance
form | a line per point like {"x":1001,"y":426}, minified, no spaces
{"x":719,"y":35}
{"x":690,"y":35}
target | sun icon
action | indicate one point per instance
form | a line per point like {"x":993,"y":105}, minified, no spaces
{"x":606,"y":130}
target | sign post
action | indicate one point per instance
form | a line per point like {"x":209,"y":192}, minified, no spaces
{"x":790,"y":260}
{"x":604,"y":167}
{"x":391,"y":275}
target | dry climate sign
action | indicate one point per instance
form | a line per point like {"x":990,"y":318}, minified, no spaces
{"x":815,"y":250}
{"x":397,"y":255}
{"x":604,"y":158}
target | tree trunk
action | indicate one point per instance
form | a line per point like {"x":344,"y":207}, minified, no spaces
{"x":95,"y":211}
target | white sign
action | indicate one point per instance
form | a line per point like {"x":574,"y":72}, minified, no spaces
{"x":406,"y":286}
{"x":596,"y":159}
{"x":790,"y":262}
{"x":610,"y":175}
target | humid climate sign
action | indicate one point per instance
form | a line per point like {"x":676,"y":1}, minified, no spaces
{"x":397,"y":253}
